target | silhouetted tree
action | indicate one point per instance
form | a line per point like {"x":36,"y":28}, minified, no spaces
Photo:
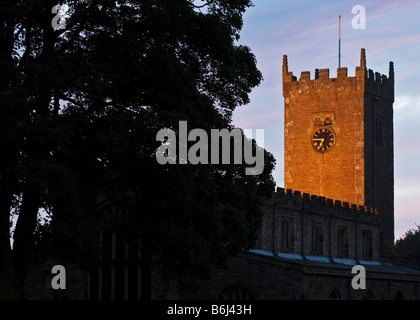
{"x":408,"y":247}
{"x":79,"y":111}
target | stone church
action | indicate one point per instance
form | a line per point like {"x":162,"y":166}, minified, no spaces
{"x":335,"y":212}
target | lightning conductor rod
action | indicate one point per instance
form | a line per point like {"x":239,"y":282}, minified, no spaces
{"x":339,"y":41}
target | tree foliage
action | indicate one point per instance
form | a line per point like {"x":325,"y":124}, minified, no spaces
{"x":408,"y":247}
{"x":79,"y":111}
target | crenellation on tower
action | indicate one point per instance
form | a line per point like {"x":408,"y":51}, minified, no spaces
{"x":371,"y":81}
{"x":305,"y":75}
{"x":391,"y":70}
{"x":295,"y":198}
{"x":287,"y":76}
{"x":363,"y":58}
{"x":324,"y":74}
{"x":361,"y":70}
{"x":364,"y":79}
{"x":342,"y":72}
{"x":381,"y":85}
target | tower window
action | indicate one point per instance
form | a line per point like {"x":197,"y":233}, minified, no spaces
{"x":343,"y":242}
{"x":367,"y":242}
{"x":316,"y":239}
{"x":287,"y":234}
{"x":379,"y":132}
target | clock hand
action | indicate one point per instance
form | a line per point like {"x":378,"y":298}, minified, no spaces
{"x":322,"y":141}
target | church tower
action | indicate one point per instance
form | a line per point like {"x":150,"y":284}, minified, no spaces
{"x":339,"y":139}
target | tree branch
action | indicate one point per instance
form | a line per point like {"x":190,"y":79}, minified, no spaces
{"x":77,"y":103}
{"x":199,"y":7}
{"x":23,"y":236}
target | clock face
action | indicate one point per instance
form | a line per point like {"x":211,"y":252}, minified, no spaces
{"x":323,"y":139}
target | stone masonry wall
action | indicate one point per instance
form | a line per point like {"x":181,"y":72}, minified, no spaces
{"x":339,"y":173}
{"x":330,"y":215}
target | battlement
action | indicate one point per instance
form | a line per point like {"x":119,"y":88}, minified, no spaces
{"x":314,"y":226}
{"x":375,"y":83}
{"x":380,"y":84}
{"x":319,"y":204}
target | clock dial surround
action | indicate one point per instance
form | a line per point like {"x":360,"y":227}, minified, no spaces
{"x":323,"y":139}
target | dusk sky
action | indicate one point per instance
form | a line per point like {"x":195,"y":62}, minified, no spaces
{"x":307,"y":32}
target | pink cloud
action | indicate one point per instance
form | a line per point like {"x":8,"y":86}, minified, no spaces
{"x":396,"y":42}
{"x":259,"y":119}
{"x":407,"y":208}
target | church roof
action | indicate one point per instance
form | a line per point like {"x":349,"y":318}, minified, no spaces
{"x":336,"y":263}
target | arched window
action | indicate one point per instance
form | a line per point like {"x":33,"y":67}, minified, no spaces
{"x":335,"y":295}
{"x":367,"y":244}
{"x":287,"y":234}
{"x":342,"y":242}
{"x":237,"y":292}
{"x":399,"y":296}
{"x":368,"y":295}
{"x":328,"y":121}
{"x":316,"y":239}
{"x":318,"y":121}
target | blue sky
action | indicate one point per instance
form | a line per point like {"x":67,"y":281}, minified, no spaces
{"x":307,"y":31}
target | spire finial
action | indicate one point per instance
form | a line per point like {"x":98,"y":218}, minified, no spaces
{"x":285,"y":64}
{"x":391,"y":70}
{"x":363,"y":58}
